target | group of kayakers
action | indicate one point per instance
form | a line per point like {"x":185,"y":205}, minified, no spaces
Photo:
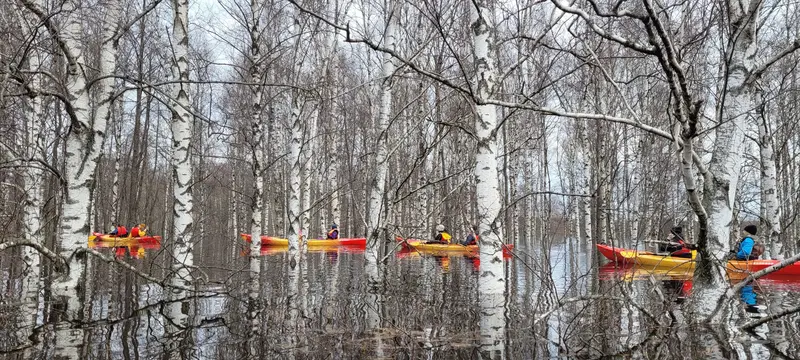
{"x":136,"y":231}
{"x":443,"y":237}
{"x":747,"y":249}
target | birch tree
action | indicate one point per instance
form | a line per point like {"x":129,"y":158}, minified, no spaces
{"x":33,"y":141}
{"x":257,"y":138}
{"x":492,"y":279}
{"x":770,"y":204}
{"x":376,"y":211}
{"x":182,"y":129}
{"x":486,"y":177}
{"x":83,"y":148}
{"x":295,"y":171}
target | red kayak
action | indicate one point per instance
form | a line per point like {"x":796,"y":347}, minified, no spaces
{"x":276,"y":241}
{"x":620,"y":255}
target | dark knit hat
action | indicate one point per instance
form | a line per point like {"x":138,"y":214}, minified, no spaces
{"x":678,"y":231}
{"x":752,"y":229}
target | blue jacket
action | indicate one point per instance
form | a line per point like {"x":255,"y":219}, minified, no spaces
{"x":748,"y":296}
{"x":745,"y":248}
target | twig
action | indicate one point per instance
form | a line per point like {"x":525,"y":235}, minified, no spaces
{"x":769,"y":318}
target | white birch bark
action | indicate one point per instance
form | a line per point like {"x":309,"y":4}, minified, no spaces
{"x":308,"y":161}
{"x":603,"y":189}
{"x":492,"y":280}
{"x":770,"y":229}
{"x":32,"y":205}
{"x":83,"y":150}
{"x":429,"y":136}
{"x":182,"y":128}
{"x":258,"y":143}
{"x":725,"y":165}
{"x":333,"y":178}
{"x":115,"y":217}
{"x":376,"y":213}
{"x":82,"y":147}
{"x":234,"y":206}
{"x":295,"y":173}
{"x":584,"y":186}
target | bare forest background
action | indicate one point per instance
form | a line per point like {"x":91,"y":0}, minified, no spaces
{"x":598,"y":120}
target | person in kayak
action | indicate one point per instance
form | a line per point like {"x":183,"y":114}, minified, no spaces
{"x":748,"y":249}
{"x":442,"y":237}
{"x":472,"y":237}
{"x":333,"y":233}
{"x":676,"y":245}
{"x":139,"y":230}
{"x":119,"y":231}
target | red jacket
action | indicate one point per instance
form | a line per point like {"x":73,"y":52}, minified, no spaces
{"x":135,"y":232}
{"x":121,"y":230}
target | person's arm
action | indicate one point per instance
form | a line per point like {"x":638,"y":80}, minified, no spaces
{"x":438,"y":237}
{"x":746,"y":248}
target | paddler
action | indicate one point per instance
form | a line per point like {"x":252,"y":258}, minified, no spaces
{"x":676,"y":245}
{"x":139,"y":230}
{"x":748,"y":249}
{"x":333,"y":233}
{"x":472,"y":237}
{"x":442,"y":237}
{"x":119,"y":231}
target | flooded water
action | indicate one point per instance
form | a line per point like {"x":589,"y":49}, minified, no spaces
{"x":560,"y":303}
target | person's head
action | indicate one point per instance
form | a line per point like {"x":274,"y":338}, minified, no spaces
{"x":440,"y":228}
{"x":334,"y":226}
{"x":142,"y":226}
{"x":751,"y":229}
{"x":475,"y":228}
{"x":677,"y":231}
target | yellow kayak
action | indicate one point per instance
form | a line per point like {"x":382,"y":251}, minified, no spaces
{"x":102,"y":240}
{"x":441,"y":248}
{"x":735,"y":268}
{"x":276,"y":241}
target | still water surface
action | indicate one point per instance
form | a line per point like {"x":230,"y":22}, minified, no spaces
{"x":560,"y":303}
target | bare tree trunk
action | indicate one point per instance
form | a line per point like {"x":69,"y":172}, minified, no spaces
{"x":83,"y":150}
{"x":492,"y":278}
{"x":33,"y":203}
{"x":770,"y":203}
{"x":584,"y":186}
{"x":376,"y":213}
{"x":308,"y":160}
{"x":257,"y":145}
{"x":234,"y":206}
{"x":295,"y":173}
{"x":182,"y":130}
{"x":115,"y":214}
{"x":720,"y":189}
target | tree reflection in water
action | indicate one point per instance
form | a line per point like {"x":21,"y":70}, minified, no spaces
{"x":332,"y":304}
